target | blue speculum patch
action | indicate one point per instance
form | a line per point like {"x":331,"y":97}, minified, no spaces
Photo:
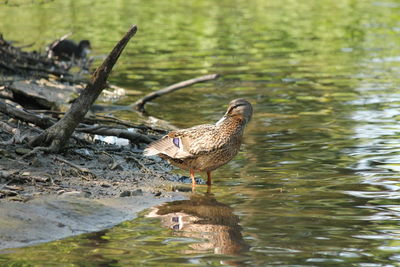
{"x":176,"y":141}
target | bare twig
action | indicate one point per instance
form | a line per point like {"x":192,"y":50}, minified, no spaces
{"x":110,"y":119}
{"x":16,"y":134}
{"x":12,"y":176}
{"x":36,"y":150}
{"x":114,"y":163}
{"x":139,"y":105}
{"x":83,"y":170}
{"x":45,"y":121}
{"x":142,"y":166}
{"x":161,"y":123}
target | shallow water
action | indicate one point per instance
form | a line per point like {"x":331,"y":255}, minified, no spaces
{"x":317,"y":180}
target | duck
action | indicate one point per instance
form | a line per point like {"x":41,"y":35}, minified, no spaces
{"x":204,"y":148}
{"x":67,"y":49}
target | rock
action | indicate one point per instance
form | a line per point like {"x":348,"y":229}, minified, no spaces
{"x":137,"y":192}
{"x":126,"y":193}
{"x":22,"y":151}
{"x":75,"y":194}
{"x":4,"y":153}
{"x":45,"y":93}
{"x":36,"y":162}
{"x":105,"y":159}
{"x":188,"y":180}
{"x":131,"y":193}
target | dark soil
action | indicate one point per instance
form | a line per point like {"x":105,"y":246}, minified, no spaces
{"x":92,"y":169}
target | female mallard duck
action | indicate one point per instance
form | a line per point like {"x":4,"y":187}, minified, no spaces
{"x":205,"y":147}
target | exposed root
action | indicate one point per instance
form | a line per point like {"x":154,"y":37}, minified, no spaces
{"x":39,"y":149}
{"x":80,"y":169}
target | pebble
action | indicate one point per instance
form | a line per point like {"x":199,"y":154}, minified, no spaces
{"x":4,"y":153}
{"x":22,"y":151}
{"x":36,"y":162}
{"x":76,"y":194}
{"x":125,"y":193}
{"x":131,"y":193}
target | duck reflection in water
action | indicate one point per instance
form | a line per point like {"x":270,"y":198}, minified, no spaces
{"x":203,"y":217}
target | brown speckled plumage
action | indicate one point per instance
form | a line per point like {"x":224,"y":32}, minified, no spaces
{"x":205,"y":147}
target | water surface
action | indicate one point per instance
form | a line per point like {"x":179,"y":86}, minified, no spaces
{"x":317,"y":179}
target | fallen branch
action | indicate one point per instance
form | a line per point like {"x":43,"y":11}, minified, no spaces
{"x":45,"y":122}
{"x":102,"y":119}
{"x":37,"y":150}
{"x":57,"y":135}
{"x":23,"y":115}
{"x":112,"y":131}
{"x":139,"y":105}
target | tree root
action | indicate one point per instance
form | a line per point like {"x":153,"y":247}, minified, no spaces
{"x":39,"y":149}
{"x":80,"y":169}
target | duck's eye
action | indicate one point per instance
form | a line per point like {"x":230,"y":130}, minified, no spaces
{"x":236,"y":106}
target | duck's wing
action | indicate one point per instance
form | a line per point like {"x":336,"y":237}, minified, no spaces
{"x":187,"y":143}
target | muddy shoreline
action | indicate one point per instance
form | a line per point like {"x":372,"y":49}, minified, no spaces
{"x":88,"y":187}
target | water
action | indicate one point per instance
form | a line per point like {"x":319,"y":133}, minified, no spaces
{"x":317,"y":180}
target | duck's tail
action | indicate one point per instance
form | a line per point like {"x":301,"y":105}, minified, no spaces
{"x":150,"y":151}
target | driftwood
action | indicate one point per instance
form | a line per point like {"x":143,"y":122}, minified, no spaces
{"x":139,"y":104}
{"x":95,"y":119}
{"x":57,"y":131}
{"x":113,"y":131}
{"x":26,"y":116}
{"x":44,"y":122}
{"x":57,"y":135}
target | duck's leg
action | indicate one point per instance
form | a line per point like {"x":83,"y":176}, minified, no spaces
{"x":192,"y":176}
{"x":209,"y":178}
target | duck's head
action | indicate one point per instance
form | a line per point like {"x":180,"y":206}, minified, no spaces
{"x":83,"y":48}
{"x":84,"y":44}
{"x":240,"y":108}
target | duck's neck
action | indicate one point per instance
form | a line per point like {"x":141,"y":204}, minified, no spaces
{"x":235,"y":123}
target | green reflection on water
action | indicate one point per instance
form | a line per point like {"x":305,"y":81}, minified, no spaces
{"x":316,"y":181}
